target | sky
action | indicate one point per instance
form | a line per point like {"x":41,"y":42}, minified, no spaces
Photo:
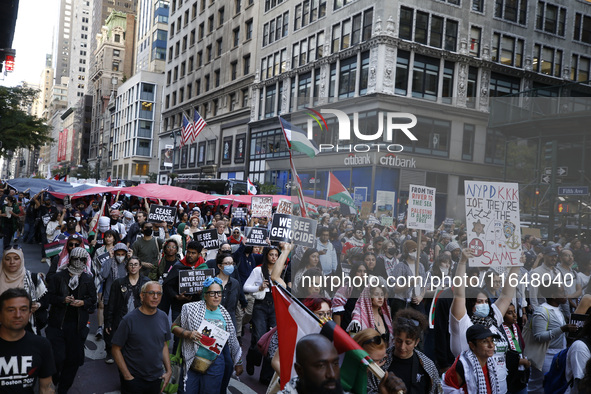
{"x":32,"y":40}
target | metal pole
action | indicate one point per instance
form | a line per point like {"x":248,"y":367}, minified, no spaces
{"x":552,"y":191}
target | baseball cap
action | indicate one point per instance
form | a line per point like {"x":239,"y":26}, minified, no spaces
{"x":550,"y":251}
{"x":478,"y":331}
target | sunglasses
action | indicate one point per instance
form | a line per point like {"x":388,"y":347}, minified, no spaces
{"x":408,"y":322}
{"x":377,"y":340}
{"x":77,"y":258}
{"x":15,"y":247}
{"x":73,"y":244}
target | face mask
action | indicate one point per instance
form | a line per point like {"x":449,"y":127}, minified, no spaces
{"x":228,"y":269}
{"x":444,"y":271}
{"x":113,"y":221}
{"x":134,"y":212}
{"x":120,"y":259}
{"x":78,"y":218}
{"x":147,"y":232}
{"x":482,"y":310}
{"x":392,"y":251}
{"x":102,"y":229}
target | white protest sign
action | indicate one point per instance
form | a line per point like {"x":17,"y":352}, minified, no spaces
{"x":261,"y":207}
{"x":492,"y":223}
{"x":285,"y":207}
{"x":213,"y":338}
{"x":421,"y":208}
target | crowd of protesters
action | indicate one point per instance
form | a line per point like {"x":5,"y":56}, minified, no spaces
{"x":429,"y":337}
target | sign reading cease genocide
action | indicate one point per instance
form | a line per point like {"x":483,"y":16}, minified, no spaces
{"x":208,"y":239}
{"x":161,"y":213}
{"x":286,"y":228}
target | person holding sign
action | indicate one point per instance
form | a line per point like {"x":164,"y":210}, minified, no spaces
{"x":475,"y":308}
{"x":205,"y":350}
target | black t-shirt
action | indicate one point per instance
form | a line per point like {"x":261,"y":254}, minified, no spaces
{"x":412,"y":374}
{"x":24,"y":361}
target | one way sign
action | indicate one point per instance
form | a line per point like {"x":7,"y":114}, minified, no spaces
{"x":546,"y":179}
{"x":560,"y":171}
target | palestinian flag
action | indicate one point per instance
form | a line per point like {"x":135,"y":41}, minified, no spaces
{"x":337,"y":192}
{"x":295,"y":321}
{"x":297,"y":139}
{"x":54,"y":248}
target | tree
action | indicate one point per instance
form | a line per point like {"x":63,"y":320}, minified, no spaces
{"x":18,"y":129}
{"x":266,"y":188}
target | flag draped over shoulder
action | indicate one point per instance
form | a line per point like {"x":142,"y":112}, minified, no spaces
{"x":337,"y":192}
{"x":294,"y":321}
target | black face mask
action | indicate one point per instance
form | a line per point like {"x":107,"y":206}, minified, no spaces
{"x":113,"y":221}
{"x":392,"y":251}
{"x":147,"y":232}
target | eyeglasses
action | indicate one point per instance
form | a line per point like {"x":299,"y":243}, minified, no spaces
{"x":153,"y":293}
{"x":377,"y":340}
{"x":214,"y":293}
{"x":77,"y":258}
{"x":408,"y":322}
{"x":134,"y":265}
{"x":73,"y":244}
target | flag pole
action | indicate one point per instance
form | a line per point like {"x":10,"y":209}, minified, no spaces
{"x":371,"y":365}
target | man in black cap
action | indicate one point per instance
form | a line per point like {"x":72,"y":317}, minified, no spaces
{"x":548,"y":267}
{"x":474,"y":371}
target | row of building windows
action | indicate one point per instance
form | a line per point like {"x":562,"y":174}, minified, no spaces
{"x":187,"y":67}
{"x":276,"y":29}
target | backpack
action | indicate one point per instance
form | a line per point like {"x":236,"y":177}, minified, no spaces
{"x":555,"y":379}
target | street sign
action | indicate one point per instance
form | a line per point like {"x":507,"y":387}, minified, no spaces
{"x":546,"y":179}
{"x":573,"y":191}
{"x":560,"y":171}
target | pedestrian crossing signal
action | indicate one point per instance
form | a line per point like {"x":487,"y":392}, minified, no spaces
{"x":563,"y":207}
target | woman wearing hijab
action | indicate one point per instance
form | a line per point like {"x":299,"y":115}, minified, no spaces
{"x":14,"y":275}
{"x":72,"y":296}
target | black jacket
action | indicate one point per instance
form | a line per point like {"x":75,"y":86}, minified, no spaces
{"x":121,"y":290}
{"x":57,"y":292}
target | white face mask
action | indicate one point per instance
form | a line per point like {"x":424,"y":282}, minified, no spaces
{"x":444,"y":271}
{"x":78,"y":218}
{"x":120,"y":259}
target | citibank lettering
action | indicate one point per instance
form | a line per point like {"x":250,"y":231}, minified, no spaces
{"x":393,"y":123}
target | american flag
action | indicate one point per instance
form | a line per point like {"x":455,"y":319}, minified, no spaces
{"x":198,"y":125}
{"x":188,"y":133}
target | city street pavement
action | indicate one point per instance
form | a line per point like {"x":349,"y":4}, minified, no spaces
{"x":96,"y":377}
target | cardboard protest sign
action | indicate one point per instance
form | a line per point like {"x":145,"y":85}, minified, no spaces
{"x":256,"y":236}
{"x":213,"y":338}
{"x":387,"y":221}
{"x":207,"y":238}
{"x":191,"y":281}
{"x":492,"y":223}
{"x":67,"y":202}
{"x":284,"y":206}
{"x":421,"y":208}
{"x":261,"y":207}
{"x":162,"y":213}
{"x":365,"y":209}
{"x":281,"y":228}
{"x":239,"y":212}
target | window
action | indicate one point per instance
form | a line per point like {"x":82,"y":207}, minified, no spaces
{"x":237,"y":6}
{"x":199,"y":59}
{"x":210,"y":156}
{"x":433,"y":137}
{"x":507,"y":50}
{"x":475,"y":37}
{"x":269,"y":4}
{"x":547,"y":60}
{"x":471,"y":87}
{"x":347,"y":77}
{"x":304,"y":89}
{"x":233,"y":70}
{"x":116,"y":53}
{"x":115,"y":66}
{"x":216,"y":74}
{"x":192,"y":39}
{"x":183,"y":68}
{"x":402,"y":62}
{"x":210,"y":24}
{"x":270,"y":95}
{"x":582,"y":28}
{"x":184,"y":44}
{"x":248,"y":26}
{"x":511,"y":10}
{"x":233,"y":102}
{"x":207,"y":83}
{"x":208,"y":53}
{"x":245,"y":98}
{"x":336,"y":38}
{"x":194,"y":11}
{"x":189,"y":91}
{"x":468,"y":142}
{"x":340,"y":3}
{"x":425,"y":77}
{"x":455,"y":2}
{"x":448,"y":82}
{"x":276,"y":29}
{"x":160,"y":35}
{"x":494,"y":151}
{"x":364,"y":76}
{"x":550,"y":18}
{"x":502,"y":85}
{"x":246,"y":65}
{"x":201,"y":31}
{"x":580,"y":68}
{"x":221,"y":17}
{"x":429,"y":29}
{"x":219,"y":47}
{"x":346,"y":34}
{"x":236,"y":37}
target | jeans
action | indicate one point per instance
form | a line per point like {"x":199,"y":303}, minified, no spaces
{"x":212,"y":381}
{"x":29,"y":232}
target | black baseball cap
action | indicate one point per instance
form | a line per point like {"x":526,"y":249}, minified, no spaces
{"x":478,"y":331}
{"x":550,"y":251}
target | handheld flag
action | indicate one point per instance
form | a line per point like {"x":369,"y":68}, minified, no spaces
{"x":337,"y":192}
{"x":297,"y":139}
{"x":252,"y":189}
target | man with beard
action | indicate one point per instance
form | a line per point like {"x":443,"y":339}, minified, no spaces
{"x":317,"y":367}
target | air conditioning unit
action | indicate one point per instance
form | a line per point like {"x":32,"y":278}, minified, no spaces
{"x":210,"y":168}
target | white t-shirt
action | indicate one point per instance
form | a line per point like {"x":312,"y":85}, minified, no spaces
{"x":459,"y":343}
{"x":576,"y":359}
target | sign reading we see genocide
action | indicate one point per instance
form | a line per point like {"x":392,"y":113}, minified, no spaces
{"x":161,"y":213}
{"x":492,"y":223}
{"x":191,"y":281}
{"x":421,"y":208}
{"x":208,"y":239}
{"x":285,"y":207}
{"x":286,"y":228}
{"x":256,"y":236}
{"x":261,"y":207}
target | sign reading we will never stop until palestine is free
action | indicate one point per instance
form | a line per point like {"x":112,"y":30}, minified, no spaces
{"x":493,"y":223}
{"x":421,"y":208}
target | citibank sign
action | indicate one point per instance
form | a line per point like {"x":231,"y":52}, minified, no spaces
{"x":389,"y":160}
